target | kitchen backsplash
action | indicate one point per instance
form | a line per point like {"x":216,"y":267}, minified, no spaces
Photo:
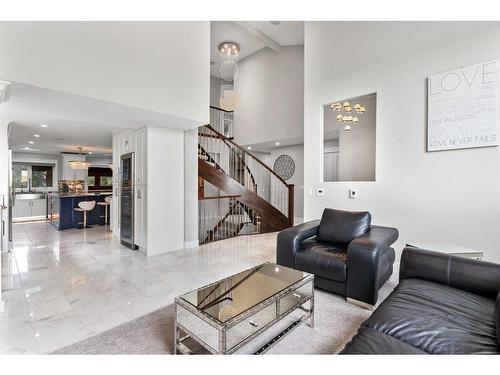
{"x":71,"y":186}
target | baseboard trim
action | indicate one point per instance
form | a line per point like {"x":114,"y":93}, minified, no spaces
{"x":191,"y":244}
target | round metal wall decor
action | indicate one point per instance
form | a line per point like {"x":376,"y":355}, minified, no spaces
{"x":284,"y":166}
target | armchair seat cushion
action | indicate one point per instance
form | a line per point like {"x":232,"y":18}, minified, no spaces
{"x":322,"y":259}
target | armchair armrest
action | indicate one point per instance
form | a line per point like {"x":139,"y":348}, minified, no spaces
{"x":364,"y":262}
{"x":289,"y":241}
{"x":475,"y":276}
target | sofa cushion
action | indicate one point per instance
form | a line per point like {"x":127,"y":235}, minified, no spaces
{"x":370,"y":341}
{"x":322,"y":259}
{"x":497,"y":317}
{"x":341,"y":227}
{"x":437,"y":319}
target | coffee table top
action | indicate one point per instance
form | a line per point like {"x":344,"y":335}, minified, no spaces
{"x":236,"y":294}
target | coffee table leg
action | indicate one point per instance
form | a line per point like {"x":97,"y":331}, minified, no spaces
{"x":222,"y":341}
{"x":176,"y":330}
{"x":311,"y":311}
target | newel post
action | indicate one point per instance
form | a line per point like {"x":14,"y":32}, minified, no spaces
{"x":291,"y":189}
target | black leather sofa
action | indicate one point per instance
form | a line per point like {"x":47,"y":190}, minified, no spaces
{"x":443,"y":305}
{"x":346,"y":254}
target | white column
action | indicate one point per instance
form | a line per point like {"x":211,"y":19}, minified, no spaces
{"x":190,"y":188}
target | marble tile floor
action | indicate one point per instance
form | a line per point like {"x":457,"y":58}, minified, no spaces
{"x":60,"y":287}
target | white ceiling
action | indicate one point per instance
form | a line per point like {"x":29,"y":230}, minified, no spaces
{"x":271,"y":145}
{"x":287,"y":33}
{"x":72,"y":120}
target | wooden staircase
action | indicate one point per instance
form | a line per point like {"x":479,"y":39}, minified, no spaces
{"x":251,"y":197}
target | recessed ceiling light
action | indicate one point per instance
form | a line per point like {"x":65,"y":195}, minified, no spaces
{"x":249,"y":148}
{"x":277,"y":143}
{"x":275,"y":23}
{"x":36,"y":135}
{"x":44,"y":126}
{"x":26,"y":148}
{"x":31,"y":142}
{"x":90,"y":152}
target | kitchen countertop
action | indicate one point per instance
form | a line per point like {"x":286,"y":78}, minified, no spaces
{"x":74,"y":195}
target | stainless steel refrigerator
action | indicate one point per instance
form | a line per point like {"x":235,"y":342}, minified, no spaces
{"x":127,"y":226}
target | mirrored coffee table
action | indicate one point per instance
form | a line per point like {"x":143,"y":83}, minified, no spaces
{"x":229,"y":314}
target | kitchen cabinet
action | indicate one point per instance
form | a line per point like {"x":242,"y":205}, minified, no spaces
{"x":26,"y":209}
{"x":140,"y":211}
{"x":38,"y":207}
{"x":140,"y":157}
{"x":22,"y":208}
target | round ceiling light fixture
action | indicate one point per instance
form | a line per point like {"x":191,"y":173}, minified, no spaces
{"x":229,"y":48}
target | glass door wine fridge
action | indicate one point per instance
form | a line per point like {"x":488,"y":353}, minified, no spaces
{"x":127,"y":201}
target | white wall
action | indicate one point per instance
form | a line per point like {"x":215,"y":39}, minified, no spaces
{"x":165,"y":190}
{"x":99,"y":160}
{"x":271,"y":90}
{"x":451,"y":196}
{"x":190,"y":188}
{"x":158,"y":66}
{"x":215,"y":83}
{"x":297,"y":154}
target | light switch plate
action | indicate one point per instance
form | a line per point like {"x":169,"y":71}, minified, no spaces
{"x":320,"y":192}
{"x":353,"y":193}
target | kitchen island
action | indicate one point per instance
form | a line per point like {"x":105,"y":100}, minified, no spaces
{"x":62,"y":214}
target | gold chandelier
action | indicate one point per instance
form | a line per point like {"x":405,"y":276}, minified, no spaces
{"x":79,"y":164}
{"x":347,"y":118}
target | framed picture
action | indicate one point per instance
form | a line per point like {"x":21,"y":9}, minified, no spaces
{"x":463,"y":108}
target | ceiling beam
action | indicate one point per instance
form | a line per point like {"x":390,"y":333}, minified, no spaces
{"x":269,"y":42}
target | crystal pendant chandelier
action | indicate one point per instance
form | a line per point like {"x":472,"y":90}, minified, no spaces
{"x":230,"y":101}
{"x":229,"y":55}
{"x":347,"y":118}
{"x":79,"y":164}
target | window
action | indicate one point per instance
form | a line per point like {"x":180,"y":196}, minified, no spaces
{"x":20,"y":172}
{"x":41,"y":175}
{"x":100,"y":178}
{"x":29,"y":176}
{"x":106,"y":181}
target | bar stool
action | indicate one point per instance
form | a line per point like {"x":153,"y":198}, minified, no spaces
{"x":85,"y":206}
{"x":106,"y":204}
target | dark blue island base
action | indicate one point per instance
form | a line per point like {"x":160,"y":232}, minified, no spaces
{"x":61,"y":211}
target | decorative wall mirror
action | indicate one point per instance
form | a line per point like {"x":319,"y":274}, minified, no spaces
{"x":349,"y":139}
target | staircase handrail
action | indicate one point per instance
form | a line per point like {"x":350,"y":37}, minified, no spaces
{"x":249,"y":154}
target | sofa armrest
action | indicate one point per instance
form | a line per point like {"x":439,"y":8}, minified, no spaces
{"x":289,"y":241}
{"x":363,"y":257}
{"x":475,"y":276}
